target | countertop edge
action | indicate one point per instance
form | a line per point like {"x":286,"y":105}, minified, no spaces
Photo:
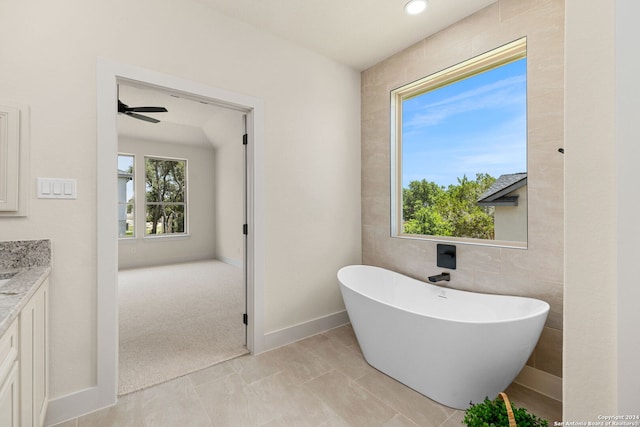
{"x":20,"y":289}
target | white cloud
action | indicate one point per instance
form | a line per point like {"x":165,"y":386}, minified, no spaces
{"x":496,"y":95}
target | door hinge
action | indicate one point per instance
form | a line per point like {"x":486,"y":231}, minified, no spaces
{"x":245,"y":139}
{"x":245,"y":228}
{"x":245,"y":319}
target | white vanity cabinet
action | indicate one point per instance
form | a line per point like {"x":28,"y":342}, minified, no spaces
{"x":24,"y":376}
{"x":9,"y":378}
{"x":34,"y":375}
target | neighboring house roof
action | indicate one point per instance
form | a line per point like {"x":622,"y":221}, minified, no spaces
{"x":124,"y":174}
{"x":496,"y":195}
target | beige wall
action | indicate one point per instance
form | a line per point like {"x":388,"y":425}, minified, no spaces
{"x":538,"y":270}
{"x":311,"y":127}
{"x":199,"y":244}
{"x":590,"y":217}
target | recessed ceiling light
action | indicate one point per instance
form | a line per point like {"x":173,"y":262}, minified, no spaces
{"x":415,"y":7}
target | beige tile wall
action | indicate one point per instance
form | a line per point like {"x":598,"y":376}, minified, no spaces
{"x":538,"y":270}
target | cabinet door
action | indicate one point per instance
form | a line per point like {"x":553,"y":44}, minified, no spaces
{"x":34,"y":372}
{"x":27,"y":337}
{"x":14,"y":158}
{"x":10,"y":150}
{"x":9,"y":399}
{"x":41,"y":356}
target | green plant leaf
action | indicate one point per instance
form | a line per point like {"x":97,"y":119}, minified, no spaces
{"x":493,"y":413}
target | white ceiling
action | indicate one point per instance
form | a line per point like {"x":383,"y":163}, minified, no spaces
{"x":358,"y":33}
{"x":187,"y":121}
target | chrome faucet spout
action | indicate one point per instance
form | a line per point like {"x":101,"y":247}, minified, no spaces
{"x":440,"y":277}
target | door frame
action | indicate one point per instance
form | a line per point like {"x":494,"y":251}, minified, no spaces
{"x":109,"y":73}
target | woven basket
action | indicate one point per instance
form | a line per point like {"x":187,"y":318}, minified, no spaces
{"x":507,"y":404}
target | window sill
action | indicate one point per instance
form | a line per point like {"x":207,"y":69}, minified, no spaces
{"x":133,"y":240}
{"x":463,"y":240}
{"x":151,"y":238}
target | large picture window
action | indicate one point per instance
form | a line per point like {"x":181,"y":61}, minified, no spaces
{"x":459,"y":151}
{"x":166,"y":196}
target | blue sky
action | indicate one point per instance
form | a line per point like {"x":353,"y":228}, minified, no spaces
{"x":124,"y":162}
{"x":477,"y":125}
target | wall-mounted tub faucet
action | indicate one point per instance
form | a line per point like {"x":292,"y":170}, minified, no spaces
{"x":446,"y":256}
{"x":440,"y":277}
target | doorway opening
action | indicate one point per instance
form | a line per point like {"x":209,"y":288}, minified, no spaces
{"x":111,"y":74}
{"x":181,"y":209}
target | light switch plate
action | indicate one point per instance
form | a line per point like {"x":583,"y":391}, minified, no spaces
{"x":56,"y":188}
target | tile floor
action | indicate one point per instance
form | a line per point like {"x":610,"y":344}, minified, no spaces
{"x":320,"y":381}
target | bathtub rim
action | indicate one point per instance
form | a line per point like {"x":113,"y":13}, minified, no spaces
{"x":543,"y":311}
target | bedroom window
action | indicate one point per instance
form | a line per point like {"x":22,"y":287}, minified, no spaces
{"x":126,"y":198}
{"x":166,"y":196}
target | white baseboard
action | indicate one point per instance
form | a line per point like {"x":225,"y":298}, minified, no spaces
{"x":73,"y":406}
{"x":541,"y":382}
{"x":231,"y":261}
{"x":300,"y":331}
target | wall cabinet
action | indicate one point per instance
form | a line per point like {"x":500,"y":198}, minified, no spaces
{"x":14,"y":139}
{"x":34,"y":375}
{"x":24,"y":376}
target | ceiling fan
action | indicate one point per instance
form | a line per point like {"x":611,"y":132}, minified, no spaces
{"x":132,"y":112}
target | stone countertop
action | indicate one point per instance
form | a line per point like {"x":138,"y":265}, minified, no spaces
{"x":15,"y":294}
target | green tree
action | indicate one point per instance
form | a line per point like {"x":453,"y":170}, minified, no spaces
{"x":420,"y":194}
{"x":429,"y":221}
{"x":469,"y":219}
{"x":165,"y":195}
{"x":431,"y":210}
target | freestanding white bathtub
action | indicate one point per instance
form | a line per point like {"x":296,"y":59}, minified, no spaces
{"x":454,"y":347}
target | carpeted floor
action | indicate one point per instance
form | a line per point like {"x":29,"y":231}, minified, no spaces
{"x":178,"y":319}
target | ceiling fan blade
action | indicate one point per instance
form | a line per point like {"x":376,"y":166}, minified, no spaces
{"x":147,"y":109}
{"x":131,"y":111}
{"x":122,"y":107}
{"x":141,"y":117}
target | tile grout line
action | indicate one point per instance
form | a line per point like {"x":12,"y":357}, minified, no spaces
{"x":352,"y":383}
{"x":204,"y":409}
{"x":378,"y":399}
